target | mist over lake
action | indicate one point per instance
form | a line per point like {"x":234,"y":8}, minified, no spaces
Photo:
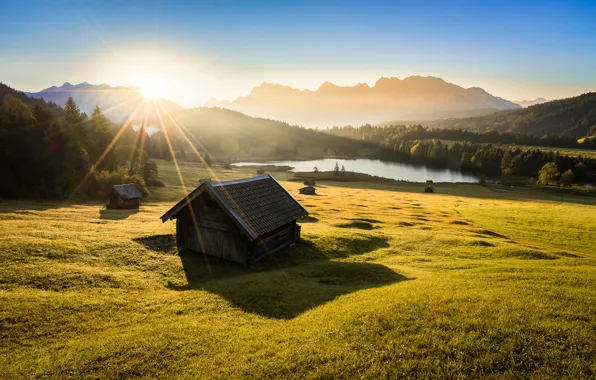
{"x":385,"y":169}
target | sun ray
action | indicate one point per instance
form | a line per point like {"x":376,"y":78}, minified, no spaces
{"x":186,"y":193}
{"x":231,"y":199}
{"x":211,"y":172}
{"x":117,"y":105}
{"x":105,"y":152}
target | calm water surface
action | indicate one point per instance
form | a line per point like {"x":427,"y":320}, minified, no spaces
{"x":393,"y":170}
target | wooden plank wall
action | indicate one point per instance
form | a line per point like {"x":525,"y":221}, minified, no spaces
{"x":273,"y":241}
{"x":213,"y":234}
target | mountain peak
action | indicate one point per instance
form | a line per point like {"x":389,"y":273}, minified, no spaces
{"x":389,"y":98}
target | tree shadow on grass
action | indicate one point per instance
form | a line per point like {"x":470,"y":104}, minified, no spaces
{"x":116,"y":214}
{"x":293,"y":280}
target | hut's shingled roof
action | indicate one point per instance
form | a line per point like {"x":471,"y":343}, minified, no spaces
{"x":127,"y":191}
{"x":259,"y":204}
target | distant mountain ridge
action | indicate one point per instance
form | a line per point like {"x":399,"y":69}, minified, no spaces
{"x":118,"y":103}
{"x":389,"y":98}
{"x":528,"y":103}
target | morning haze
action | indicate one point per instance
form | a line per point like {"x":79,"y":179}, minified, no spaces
{"x":297,"y":190}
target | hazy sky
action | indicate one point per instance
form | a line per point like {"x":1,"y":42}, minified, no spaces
{"x":221,"y":49}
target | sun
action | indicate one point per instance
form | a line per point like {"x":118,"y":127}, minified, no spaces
{"x":152,"y":88}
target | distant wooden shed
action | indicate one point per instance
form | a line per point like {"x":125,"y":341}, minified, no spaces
{"x":310,"y":182}
{"x":429,"y":189}
{"x":260,"y":171}
{"x":126,"y":196}
{"x":308,"y":190}
{"x":241,"y":221}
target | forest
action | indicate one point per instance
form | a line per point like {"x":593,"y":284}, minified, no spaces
{"x":55,"y":153}
{"x":477,"y":152}
{"x":573,"y":117}
{"x":380,"y":134}
{"x":62,"y":153}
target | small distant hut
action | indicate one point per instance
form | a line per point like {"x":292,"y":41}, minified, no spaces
{"x":308,"y":190}
{"x":126,"y":196}
{"x":260,"y":171}
{"x":429,"y":189}
{"x":241,"y":221}
{"x":429,"y":181}
{"x":310,"y":182}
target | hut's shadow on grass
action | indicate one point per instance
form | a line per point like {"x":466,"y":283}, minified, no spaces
{"x":290,"y":282}
{"x":159,"y":243}
{"x":285,"y":294}
{"x":116,"y":214}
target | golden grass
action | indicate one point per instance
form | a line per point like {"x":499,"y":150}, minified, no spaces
{"x":388,"y":281}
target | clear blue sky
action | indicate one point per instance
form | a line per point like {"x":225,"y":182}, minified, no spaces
{"x":221,"y":49}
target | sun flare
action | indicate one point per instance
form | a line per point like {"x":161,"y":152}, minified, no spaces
{"x":152,"y":88}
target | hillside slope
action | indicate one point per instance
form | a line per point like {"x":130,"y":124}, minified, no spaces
{"x":573,"y":117}
{"x":233,"y":134}
{"x":386,"y":282}
{"x":32,"y":102}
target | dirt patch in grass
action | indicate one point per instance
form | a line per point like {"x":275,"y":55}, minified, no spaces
{"x":459,"y":222}
{"x":481,"y":243}
{"x":367,"y":220}
{"x":361,"y":225}
{"x":526,"y":254}
{"x":567,"y":254}
{"x":490,"y":233}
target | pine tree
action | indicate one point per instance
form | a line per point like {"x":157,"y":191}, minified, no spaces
{"x":98,"y":137}
{"x":72,"y":112}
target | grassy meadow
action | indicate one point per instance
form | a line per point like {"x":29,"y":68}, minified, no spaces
{"x":472,"y":281}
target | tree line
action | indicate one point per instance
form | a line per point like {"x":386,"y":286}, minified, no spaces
{"x":50,"y":152}
{"x":382,"y":134}
{"x":493,"y":161}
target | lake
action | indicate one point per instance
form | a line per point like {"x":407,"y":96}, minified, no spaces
{"x":386,"y":169}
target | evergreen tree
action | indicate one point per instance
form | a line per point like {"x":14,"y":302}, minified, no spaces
{"x":99,"y":136}
{"x":72,"y":112}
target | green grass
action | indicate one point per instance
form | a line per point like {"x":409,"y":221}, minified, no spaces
{"x":472,"y":281}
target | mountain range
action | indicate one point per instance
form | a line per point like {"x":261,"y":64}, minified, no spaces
{"x":432,"y":102}
{"x":117,"y":103}
{"x":414,"y":97}
{"x":528,"y":103}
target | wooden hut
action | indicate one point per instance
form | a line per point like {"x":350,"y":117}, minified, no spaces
{"x":126,"y":196}
{"x":308,"y":190}
{"x":241,"y":221}
{"x":310,"y":182}
{"x":260,"y":171}
{"x":429,"y":189}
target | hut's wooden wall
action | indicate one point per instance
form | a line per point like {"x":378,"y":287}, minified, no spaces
{"x":211,"y":232}
{"x":273,"y":241}
{"x":115,"y":202}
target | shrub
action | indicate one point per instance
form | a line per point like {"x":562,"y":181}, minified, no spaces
{"x":549,"y":174}
{"x":104,"y":180}
{"x":567,"y":178}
